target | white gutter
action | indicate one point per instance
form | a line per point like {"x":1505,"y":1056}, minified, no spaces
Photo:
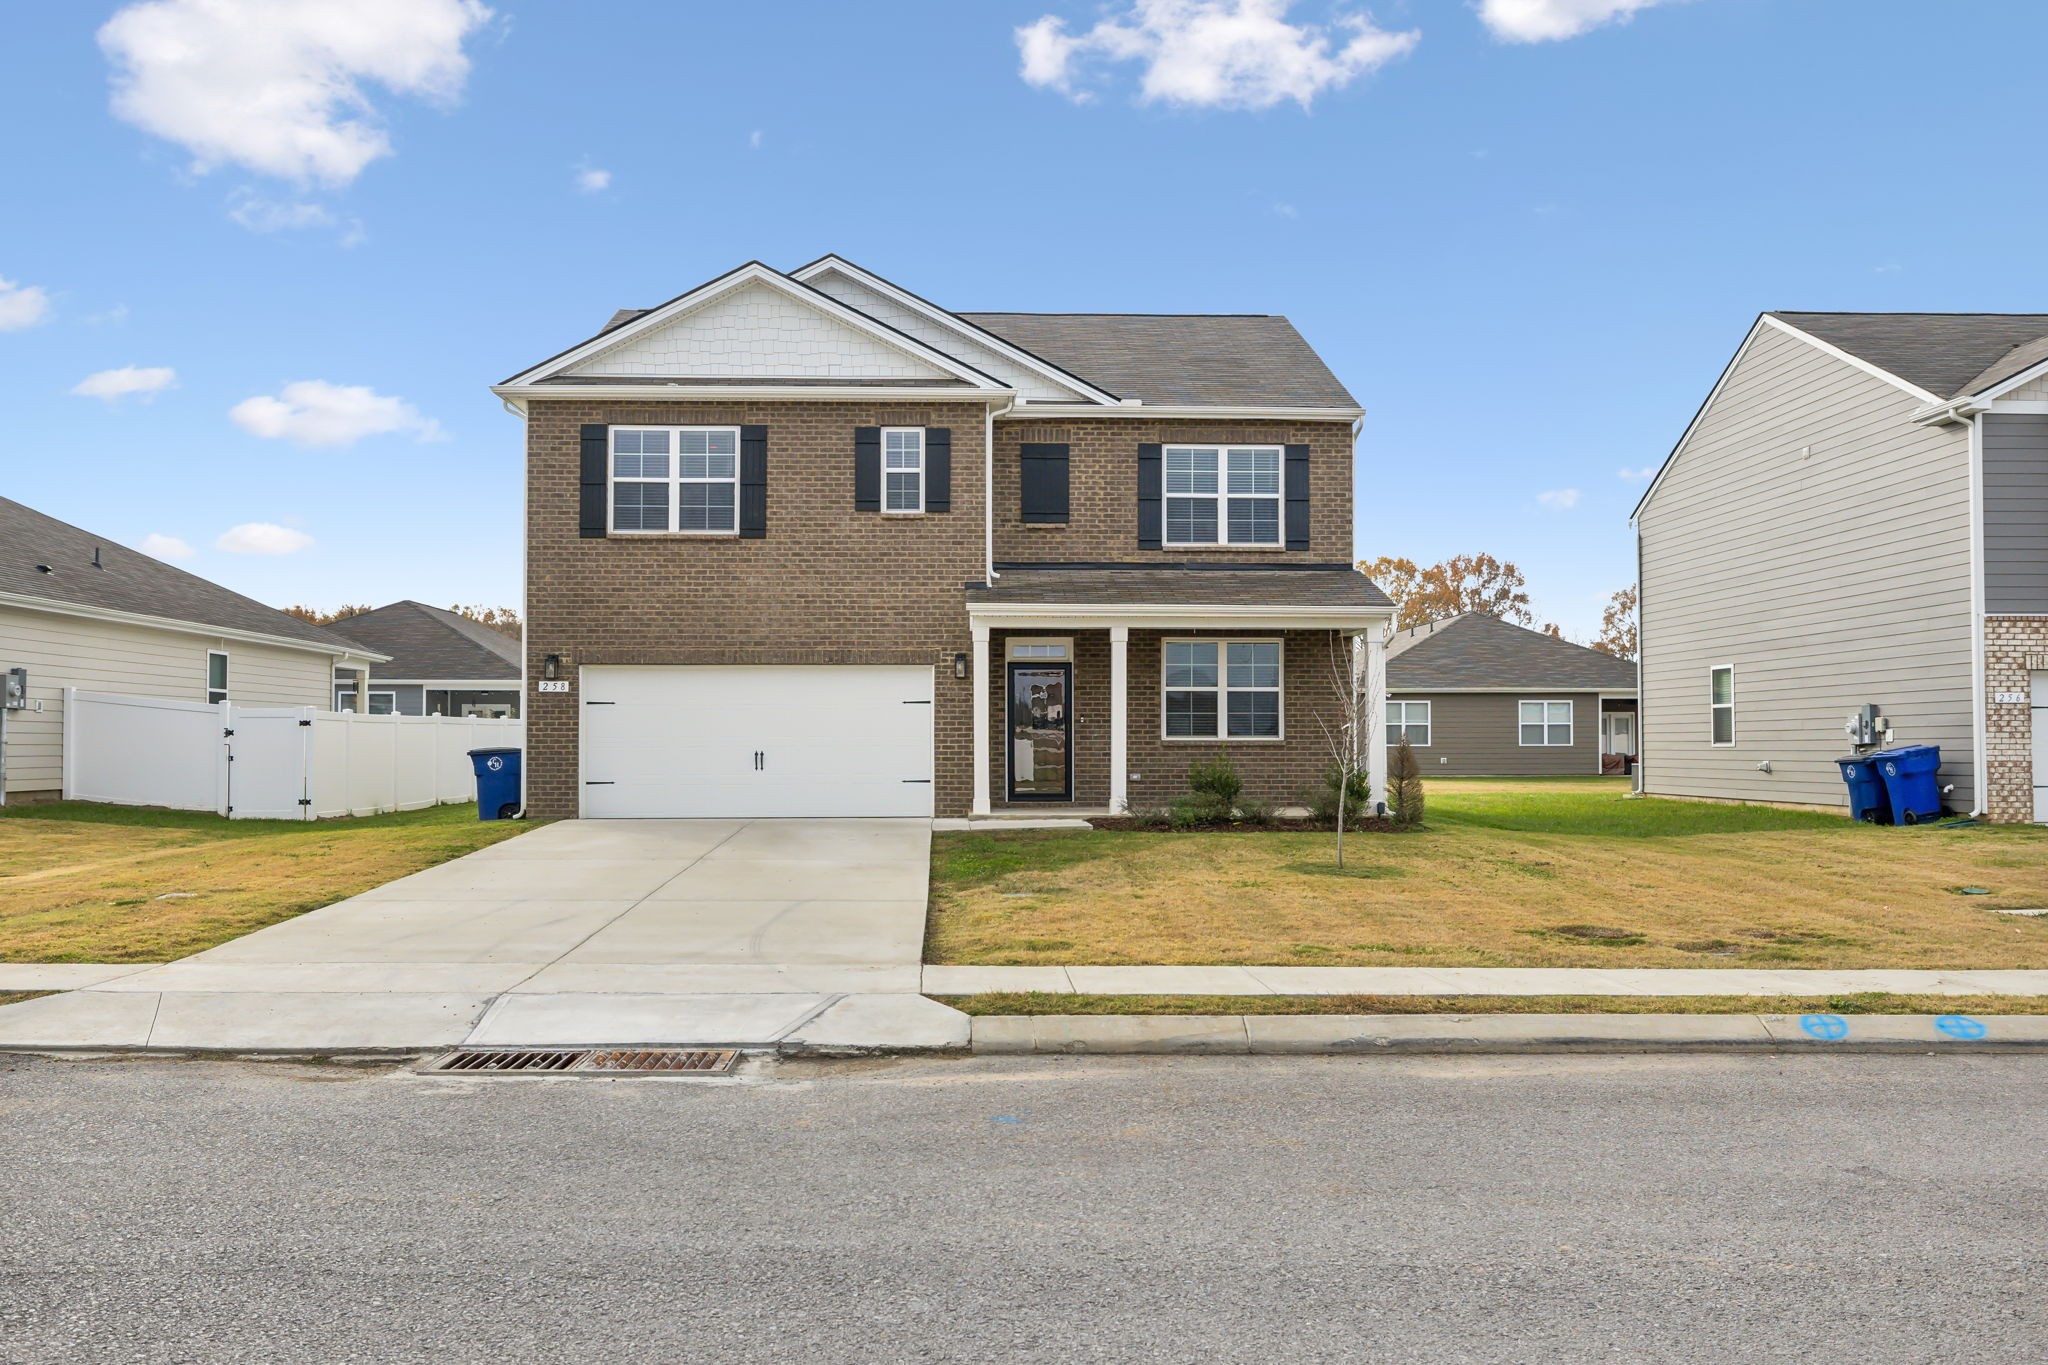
{"x":1949,"y":413}
{"x":1145,"y":411}
{"x":691,"y":392}
{"x":130,"y":618}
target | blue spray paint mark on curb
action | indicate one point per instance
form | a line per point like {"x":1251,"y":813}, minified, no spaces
{"x":1829,"y":1028}
{"x":1961,"y":1026}
{"x":1004,"y":1118}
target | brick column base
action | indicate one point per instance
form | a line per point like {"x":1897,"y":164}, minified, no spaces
{"x":2014,"y":648}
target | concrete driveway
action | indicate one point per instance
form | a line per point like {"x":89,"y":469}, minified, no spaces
{"x":641,"y":931}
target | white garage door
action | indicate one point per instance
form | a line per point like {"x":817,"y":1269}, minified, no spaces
{"x":683,"y":742}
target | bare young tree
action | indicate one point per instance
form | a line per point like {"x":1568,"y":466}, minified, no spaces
{"x":1347,"y":740}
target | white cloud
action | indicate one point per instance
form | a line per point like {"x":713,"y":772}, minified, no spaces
{"x":278,"y":85}
{"x":115,"y":384}
{"x":1544,"y":21}
{"x":164,"y":547}
{"x":1559,"y":499}
{"x":1227,"y":54}
{"x":117,"y":316}
{"x":1648,"y":471}
{"x":259,"y":214}
{"x":263,"y":538}
{"x":313,"y":412}
{"x":1286,"y":211}
{"x":22,"y":305}
{"x":592,"y":180}
{"x":754,"y":140}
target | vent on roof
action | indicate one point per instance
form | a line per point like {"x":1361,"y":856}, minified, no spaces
{"x":639,"y":1061}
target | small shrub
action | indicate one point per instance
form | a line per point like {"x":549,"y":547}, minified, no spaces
{"x":1196,"y":810}
{"x":1254,"y":812}
{"x":1406,"y":794}
{"x":1357,"y":801}
{"x":1216,"y":779}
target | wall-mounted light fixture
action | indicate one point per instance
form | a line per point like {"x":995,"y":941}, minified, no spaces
{"x":551,"y":667}
{"x":959,"y":665}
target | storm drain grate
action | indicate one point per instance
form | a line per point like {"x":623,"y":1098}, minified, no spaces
{"x":638,"y":1061}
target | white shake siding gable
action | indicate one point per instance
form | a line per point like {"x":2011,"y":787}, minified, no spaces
{"x":1809,"y":534}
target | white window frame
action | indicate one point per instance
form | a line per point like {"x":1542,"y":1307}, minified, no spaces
{"x":216,"y":695}
{"x":1038,"y":649}
{"x":1714,"y":706}
{"x":1428,"y":721}
{"x":350,"y":695}
{"x":1223,"y":689}
{"x":919,"y":470}
{"x":675,"y":481}
{"x":1222,"y":498}
{"x":1570,"y":722}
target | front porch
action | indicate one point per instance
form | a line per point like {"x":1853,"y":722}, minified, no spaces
{"x":1097,"y":689}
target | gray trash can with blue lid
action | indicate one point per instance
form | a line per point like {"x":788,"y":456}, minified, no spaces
{"x":497,"y":783}
{"x":1910,"y":781}
{"x":1867,"y":799}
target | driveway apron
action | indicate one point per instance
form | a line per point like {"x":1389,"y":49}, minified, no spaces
{"x":735,"y":932}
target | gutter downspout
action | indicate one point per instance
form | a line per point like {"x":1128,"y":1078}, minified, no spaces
{"x":988,"y":485}
{"x":1980,"y":763}
{"x":1642,"y":699}
{"x":525,"y":621}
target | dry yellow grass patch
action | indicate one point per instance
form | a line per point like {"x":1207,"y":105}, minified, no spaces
{"x":1549,"y":874}
{"x":100,"y":884}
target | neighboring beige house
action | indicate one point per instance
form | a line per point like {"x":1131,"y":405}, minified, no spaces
{"x":1858,"y":515}
{"x":79,"y":610}
{"x":1478,"y":696}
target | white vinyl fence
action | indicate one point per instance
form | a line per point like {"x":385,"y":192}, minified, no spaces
{"x":269,"y":762}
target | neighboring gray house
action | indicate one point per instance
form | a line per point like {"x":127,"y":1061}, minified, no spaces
{"x":80,"y":610}
{"x":1476,"y":695}
{"x":1857,"y":515}
{"x":439,"y":664}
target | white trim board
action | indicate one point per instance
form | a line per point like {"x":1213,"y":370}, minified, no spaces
{"x":130,"y":618}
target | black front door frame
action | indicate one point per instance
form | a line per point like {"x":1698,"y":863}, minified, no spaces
{"x":1066,"y":668}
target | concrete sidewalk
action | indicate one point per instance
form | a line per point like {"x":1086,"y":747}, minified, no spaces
{"x":1503,"y":981}
{"x":792,"y":934}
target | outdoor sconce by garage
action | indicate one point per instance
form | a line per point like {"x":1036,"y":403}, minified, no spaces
{"x":551,"y":667}
{"x":959,"y":665}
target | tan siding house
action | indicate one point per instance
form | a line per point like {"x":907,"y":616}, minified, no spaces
{"x":1816,"y":543}
{"x":77,"y":611}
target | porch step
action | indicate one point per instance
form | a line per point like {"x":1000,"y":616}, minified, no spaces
{"x":1066,"y":819}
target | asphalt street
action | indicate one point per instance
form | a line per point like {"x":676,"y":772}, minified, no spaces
{"x":1041,"y":1209}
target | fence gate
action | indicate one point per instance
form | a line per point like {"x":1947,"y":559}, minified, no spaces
{"x":267,"y":750}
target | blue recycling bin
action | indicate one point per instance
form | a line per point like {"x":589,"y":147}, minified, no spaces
{"x":1867,"y":799}
{"x":1910,"y":781}
{"x":497,"y":783}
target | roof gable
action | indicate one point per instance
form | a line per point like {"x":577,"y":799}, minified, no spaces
{"x":131,"y":583}
{"x":755,"y":324}
{"x":1176,"y":359}
{"x":426,"y":644}
{"x":1481,"y":651}
{"x":1035,"y":379}
{"x":1943,"y":354}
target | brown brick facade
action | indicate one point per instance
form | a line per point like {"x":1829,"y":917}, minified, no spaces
{"x":829,"y":584}
{"x":2014,"y":648}
{"x":1102,"y":473}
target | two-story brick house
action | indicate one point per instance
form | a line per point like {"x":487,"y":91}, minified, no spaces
{"x":808,"y":544}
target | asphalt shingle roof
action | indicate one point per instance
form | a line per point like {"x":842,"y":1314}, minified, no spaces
{"x":1477,"y":650}
{"x":1318,"y":585}
{"x":130,"y":581}
{"x":1172,"y":359}
{"x":427,"y":644}
{"x":1947,"y":354}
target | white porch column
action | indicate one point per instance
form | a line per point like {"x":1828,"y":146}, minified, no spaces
{"x":1119,"y":719}
{"x":1374,"y":643}
{"x":362,"y":706}
{"x":981,"y":704}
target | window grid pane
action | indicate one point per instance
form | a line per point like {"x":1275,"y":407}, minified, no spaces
{"x":1191,"y":521}
{"x":1724,"y":686}
{"x":1254,"y":521}
{"x":640,"y":506}
{"x":1254,"y":664}
{"x":1190,"y":715}
{"x":903,"y":491}
{"x":1724,"y":725}
{"x":1254,"y":715}
{"x":1255,"y":471}
{"x":1190,"y":469}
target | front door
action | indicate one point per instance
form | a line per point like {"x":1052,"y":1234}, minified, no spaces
{"x":1041,"y":732}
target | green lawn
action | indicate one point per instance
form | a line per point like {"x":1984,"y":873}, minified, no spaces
{"x":1530,"y":872}
{"x":91,"y":883}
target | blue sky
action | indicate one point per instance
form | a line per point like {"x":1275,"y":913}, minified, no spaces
{"x":1527,"y":238}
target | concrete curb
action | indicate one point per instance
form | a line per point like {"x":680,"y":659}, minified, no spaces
{"x":1375,"y":1034}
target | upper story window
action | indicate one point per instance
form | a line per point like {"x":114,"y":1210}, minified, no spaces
{"x":677,"y":479}
{"x":903,"y":469}
{"x":1222,"y":495}
{"x":216,"y":676}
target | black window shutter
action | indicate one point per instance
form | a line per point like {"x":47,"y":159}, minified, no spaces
{"x":1151,"y":503}
{"x":1042,"y":479}
{"x":1296,"y":489}
{"x":753,"y":483}
{"x":594,"y":519}
{"x":938,"y":469}
{"x":867,"y":469}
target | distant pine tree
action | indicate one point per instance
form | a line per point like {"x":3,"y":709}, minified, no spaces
{"x":1406,"y":771}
